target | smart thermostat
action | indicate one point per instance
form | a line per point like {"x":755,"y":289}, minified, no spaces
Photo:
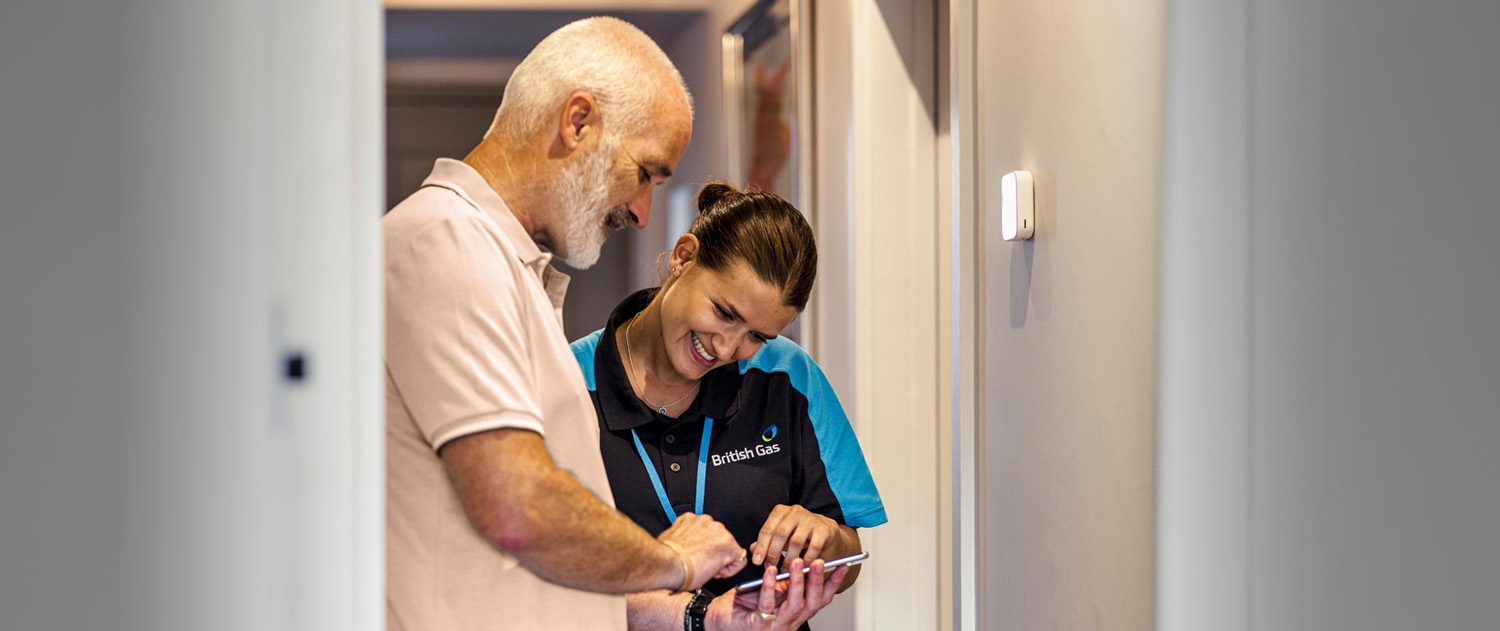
{"x":1017,"y":206}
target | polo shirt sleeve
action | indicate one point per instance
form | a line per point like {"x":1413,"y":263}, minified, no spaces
{"x":456,"y":341}
{"x":837,"y":482}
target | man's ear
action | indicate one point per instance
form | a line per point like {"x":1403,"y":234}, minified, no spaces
{"x":579,"y":120}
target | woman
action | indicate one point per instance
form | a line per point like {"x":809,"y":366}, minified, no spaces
{"x":703,"y":408}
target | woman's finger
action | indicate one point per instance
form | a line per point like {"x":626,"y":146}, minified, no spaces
{"x":771,"y":538}
{"x":798,"y":540}
{"x":815,"y":542}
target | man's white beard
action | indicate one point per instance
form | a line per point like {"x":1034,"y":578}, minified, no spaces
{"x":585,"y":199}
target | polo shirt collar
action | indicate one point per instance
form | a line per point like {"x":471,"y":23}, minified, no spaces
{"x":718,"y":396}
{"x":462,"y":179}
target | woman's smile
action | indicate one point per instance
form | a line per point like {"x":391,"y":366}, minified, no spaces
{"x":699,"y":352}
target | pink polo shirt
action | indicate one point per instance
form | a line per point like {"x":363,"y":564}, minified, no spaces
{"x":474,"y":342}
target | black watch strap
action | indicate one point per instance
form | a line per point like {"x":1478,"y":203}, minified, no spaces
{"x":697,"y":608}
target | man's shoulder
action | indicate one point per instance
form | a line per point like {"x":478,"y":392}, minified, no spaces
{"x":428,"y":206}
{"x":437,"y":212}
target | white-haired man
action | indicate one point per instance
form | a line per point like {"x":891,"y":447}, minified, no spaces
{"x":499,"y":514}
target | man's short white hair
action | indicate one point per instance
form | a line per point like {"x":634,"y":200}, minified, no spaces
{"x":609,"y":58}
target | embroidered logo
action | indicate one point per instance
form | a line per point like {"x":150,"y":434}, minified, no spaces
{"x":746,"y":453}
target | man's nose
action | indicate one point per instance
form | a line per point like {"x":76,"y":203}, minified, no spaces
{"x":640,"y":207}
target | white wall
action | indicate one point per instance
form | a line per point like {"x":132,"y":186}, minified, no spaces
{"x":1071,"y":91}
{"x":878,"y":335}
{"x":1363,"y":294}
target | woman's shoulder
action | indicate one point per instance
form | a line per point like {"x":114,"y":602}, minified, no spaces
{"x":783,"y":356}
{"x":583,"y":351}
{"x":587,"y":344}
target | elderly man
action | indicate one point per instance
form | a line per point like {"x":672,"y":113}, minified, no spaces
{"x":499,"y":514}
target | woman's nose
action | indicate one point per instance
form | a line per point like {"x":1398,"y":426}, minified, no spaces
{"x":745,"y":348}
{"x":725,"y":348}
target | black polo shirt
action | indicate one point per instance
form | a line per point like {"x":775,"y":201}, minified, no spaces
{"x":778,"y":436}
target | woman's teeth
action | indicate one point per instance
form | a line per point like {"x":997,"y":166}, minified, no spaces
{"x":698,"y":346}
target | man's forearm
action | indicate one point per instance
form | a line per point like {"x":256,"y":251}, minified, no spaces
{"x":516,"y":496}
{"x":656,"y":611}
{"x":583,"y":543}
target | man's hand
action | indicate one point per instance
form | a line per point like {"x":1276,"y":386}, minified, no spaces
{"x":790,"y":603}
{"x":707,"y":544}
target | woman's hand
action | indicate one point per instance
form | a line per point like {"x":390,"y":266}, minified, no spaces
{"x":790,"y":603}
{"x":795,"y":530}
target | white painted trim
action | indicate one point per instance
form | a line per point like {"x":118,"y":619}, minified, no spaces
{"x":959,"y":392}
{"x":896,"y":305}
{"x":367,"y":327}
{"x":732,"y":49}
{"x":806,"y":147}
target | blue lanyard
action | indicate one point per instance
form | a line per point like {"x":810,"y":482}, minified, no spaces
{"x":661,"y":492}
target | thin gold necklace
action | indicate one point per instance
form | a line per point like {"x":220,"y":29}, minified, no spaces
{"x":630,"y":357}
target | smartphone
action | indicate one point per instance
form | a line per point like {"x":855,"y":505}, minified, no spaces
{"x":853,"y":559}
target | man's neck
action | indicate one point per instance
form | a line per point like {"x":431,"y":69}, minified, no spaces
{"x":490,"y":159}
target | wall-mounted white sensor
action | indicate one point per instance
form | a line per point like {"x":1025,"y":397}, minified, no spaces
{"x":1017,"y":206}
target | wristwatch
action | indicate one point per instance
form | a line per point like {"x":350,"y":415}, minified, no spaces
{"x":697,"y":608}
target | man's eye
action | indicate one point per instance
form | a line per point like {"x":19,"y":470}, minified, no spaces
{"x":645,"y":177}
{"x":723,"y":315}
{"x":759,"y":339}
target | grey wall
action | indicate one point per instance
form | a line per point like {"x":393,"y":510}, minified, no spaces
{"x":191,"y":190}
{"x":1071,"y":91}
{"x":1357,"y":160}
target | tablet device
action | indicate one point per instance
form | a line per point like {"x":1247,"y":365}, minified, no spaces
{"x":853,"y":559}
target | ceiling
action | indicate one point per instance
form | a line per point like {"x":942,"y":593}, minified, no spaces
{"x":505,"y":34}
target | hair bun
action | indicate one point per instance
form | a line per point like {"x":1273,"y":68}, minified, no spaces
{"x":713,"y":194}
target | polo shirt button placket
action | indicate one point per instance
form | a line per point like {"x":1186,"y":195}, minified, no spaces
{"x":670,"y":439}
{"x":675,"y":467}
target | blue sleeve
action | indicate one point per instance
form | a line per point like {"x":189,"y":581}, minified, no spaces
{"x":583,"y":351}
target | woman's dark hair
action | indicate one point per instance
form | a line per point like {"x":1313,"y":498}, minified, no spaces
{"x":761,"y":229}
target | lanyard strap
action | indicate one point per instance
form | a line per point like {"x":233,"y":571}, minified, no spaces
{"x":661,"y":492}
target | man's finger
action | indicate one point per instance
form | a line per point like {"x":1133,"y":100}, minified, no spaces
{"x":815,"y":584}
{"x":734,"y":566}
{"x":796,"y":587}
{"x":836,"y":579}
{"x":768,"y":590}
